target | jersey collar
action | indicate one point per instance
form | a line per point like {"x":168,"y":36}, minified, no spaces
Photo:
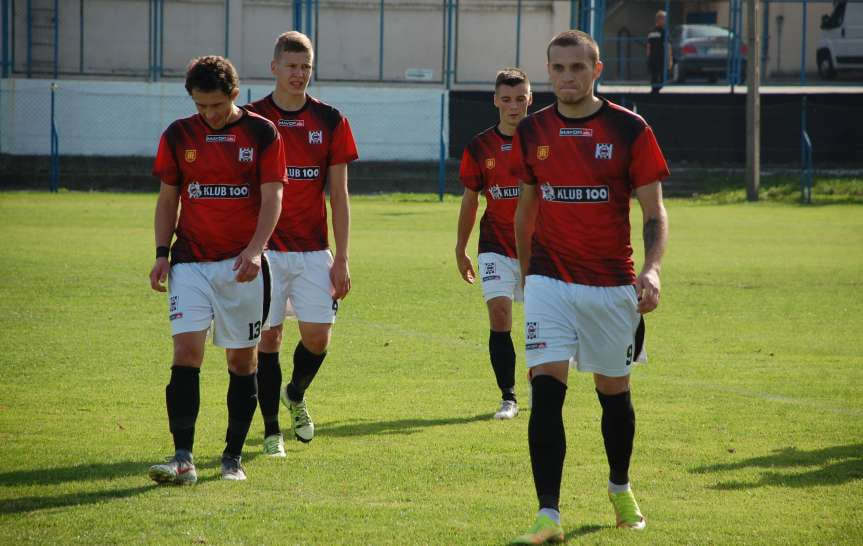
{"x":584,"y":119}
{"x":290,"y":113}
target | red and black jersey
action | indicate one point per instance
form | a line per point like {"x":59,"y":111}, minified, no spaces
{"x":586,"y":170}
{"x":315,"y":137}
{"x":219,"y":174}
{"x":485,"y":168}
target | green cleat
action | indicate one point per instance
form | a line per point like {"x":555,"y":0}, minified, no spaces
{"x":627,"y":511}
{"x":177,"y":471}
{"x":274,"y":446}
{"x":301,"y":421}
{"x":543,"y":530}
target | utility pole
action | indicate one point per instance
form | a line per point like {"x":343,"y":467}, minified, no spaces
{"x":753,"y":100}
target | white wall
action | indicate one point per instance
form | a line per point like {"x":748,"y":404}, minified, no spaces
{"x":126,"y":118}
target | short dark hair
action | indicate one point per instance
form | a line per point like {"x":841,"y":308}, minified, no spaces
{"x":511,"y":76}
{"x":574,"y":38}
{"x":293,"y":41}
{"x":211,"y":73}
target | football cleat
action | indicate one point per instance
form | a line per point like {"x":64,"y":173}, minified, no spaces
{"x":301,"y":421}
{"x":232,"y":469}
{"x":274,"y":445}
{"x":626,"y":510}
{"x":177,"y":471}
{"x":508,"y":410}
{"x":543,"y":530}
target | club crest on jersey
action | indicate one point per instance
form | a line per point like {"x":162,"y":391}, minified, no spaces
{"x":506,"y":192}
{"x":489,"y":163}
{"x":575,"y":194}
{"x":246,"y":155}
{"x":603,"y":151}
{"x":173,"y":304}
{"x":292,"y":123}
{"x":576,"y":132}
{"x":191,"y":155}
{"x":316,"y":137}
{"x":542,"y":152}
{"x":220,"y":139}
{"x":531,"y":331}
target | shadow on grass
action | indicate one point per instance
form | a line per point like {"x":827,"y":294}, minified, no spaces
{"x":363,"y":427}
{"x":31,"y":504}
{"x":584,"y":530}
{"x":829,"y":466}
{"x":111,"y":471}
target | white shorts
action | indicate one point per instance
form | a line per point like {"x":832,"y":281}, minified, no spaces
{"x":204,"y":292}
{"x":302,"y":288}
{"x":500,"y":275}
{"x":594,"y":327}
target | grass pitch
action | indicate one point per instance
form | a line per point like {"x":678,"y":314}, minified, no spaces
{"x":749,"y":412}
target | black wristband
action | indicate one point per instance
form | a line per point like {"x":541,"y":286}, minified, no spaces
{"x":162,"y":252}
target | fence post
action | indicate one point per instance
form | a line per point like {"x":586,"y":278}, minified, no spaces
{"x":518,"y":34}
{"x":227,"y":27}
{"x":805,"y":141}
{"x":55,"y":144}
{"x":7,"y":68}
{"x":441,"y":176}
{"x":381,"y":44}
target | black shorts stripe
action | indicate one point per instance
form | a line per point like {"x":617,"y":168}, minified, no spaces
{"x":639,"y":338}
{"x":265,"y":274}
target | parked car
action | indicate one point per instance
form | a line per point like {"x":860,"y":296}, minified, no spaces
{"x":703,"y":51}
{"x":841,"y":46}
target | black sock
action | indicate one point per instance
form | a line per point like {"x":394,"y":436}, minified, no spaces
{"x":306,"y":366}
{"x":269,"y":383}
{"x":242,"y":401}
{"x":618,"y":432}
{"x":546,"y":439}
{"x":183,"y":399}
{"x":502,"y":355}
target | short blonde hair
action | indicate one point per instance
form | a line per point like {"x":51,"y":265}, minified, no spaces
{"x":293,"y":41}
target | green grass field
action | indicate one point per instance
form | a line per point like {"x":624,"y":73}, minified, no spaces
{"x":750,"y":423}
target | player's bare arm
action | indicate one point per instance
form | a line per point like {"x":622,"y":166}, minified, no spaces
{"x":248,"y":263}
{"x":167,"y":205}
{"x":655,"y":233}
{"x":340,"y":275}
{"x":525,"y":220}
{"x":466,"y":220}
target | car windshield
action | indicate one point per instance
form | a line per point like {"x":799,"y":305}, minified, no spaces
{"x":706,"y":31}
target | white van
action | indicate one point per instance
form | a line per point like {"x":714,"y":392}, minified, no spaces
{"x":841,"y":45}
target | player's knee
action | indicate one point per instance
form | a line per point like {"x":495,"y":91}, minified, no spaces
{"x":271,"y":339}
{"x":500,"y":317}
{"x":316,"y":342}
{"x":242,"y":362}
{"x":188,"y":355}
{"x":611,"y":386}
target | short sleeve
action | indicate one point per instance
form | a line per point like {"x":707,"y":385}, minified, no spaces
{"x":271,"y":163}
{"x":518,"y":166}
{"x":343,"y":148}
{"x":647,"y":164}
{"x":165,"y":167}
{"x":469,"y":173}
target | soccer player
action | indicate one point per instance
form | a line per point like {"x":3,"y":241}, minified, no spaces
{"x":579,"y":161}
{"x":308,"y":281}
{"x":485,"y":168}
{"x":223,"y":170}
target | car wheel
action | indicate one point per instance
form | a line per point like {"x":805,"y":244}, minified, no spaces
{"x":826,"y":70}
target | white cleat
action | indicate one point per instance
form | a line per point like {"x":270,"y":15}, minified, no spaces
{"x":508,"y":410}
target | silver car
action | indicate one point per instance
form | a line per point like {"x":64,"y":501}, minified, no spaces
{"x":703,"y":51}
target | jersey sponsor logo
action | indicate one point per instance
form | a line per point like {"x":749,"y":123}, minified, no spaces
{"x":489,"y":163}
{"x":604,"y":151}
{"x":542,"y":152}
{"x":191,"y":155}
{"x":506,"y":147}
{"x":303,"y":173}
{"x":535,"y":346}
{"x":505,"y":192}
{"x":175,"y":316}
{"x":575,"y":194}
{"x":531,"y":331}
{"x":576,"y":132}
{"x":246,"y":155}
{"x":217,"y":191}
{"x":220,"y":139}
{"x":292,"y":123}
{"x":316,"y":137}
